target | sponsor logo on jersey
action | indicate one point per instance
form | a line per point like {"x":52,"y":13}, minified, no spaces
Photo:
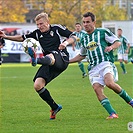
{"x":92,"y":46}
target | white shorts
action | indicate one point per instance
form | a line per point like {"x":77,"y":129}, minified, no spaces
{"x":97,"y":73}
{"x":122,"y":57}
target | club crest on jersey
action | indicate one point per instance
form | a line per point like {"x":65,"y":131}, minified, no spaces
{"x":92,"y":46}
{"x":51,"y":33}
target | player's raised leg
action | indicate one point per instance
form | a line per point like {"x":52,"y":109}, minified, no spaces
{"x":32,"y":54}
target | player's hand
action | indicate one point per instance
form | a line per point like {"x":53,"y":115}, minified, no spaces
{"x":1,"y":46}
{"x":63,"y":45}
{"x":2,"y":34}
{"x":108,"y":49}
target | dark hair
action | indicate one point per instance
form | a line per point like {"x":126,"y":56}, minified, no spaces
{"x":89,"y":14}
{"x":119,"y":29}
{"x":77,"y":23}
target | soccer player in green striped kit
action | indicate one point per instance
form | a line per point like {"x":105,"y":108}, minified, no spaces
{"x":76,"y":48}
{"x":123,"y":50}
{"x":98,"y":45}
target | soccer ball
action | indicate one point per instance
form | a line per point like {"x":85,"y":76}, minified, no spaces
{"x":29,"y":42}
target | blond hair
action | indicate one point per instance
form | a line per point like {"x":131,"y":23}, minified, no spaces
{"x":42,"y":15}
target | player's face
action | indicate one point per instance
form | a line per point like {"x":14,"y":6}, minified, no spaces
{"x":119,"y":32}
{"x":88,"y":24}
{"x":42,"y":25}
{"x":78,"y":27}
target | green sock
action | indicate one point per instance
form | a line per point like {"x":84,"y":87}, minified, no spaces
{"x":123,"y":67}
{"x":106,"y":104}
{"x":130,"y":60}
{"x":125,"y":96}
{"x":81,"y":66}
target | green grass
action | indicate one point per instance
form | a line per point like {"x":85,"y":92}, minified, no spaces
{"x":22,"y":111}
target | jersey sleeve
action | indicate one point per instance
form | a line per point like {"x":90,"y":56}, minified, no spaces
{"x":33,"y":34}
{"x":63,"y":31}
{"x":126,"y":40}
{"x":110,"y":37}
{"x":83,"y":51}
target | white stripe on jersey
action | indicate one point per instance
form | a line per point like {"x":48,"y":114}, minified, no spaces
{"x":100,"y":46}
{"x":111,"y":39}
{"x":93,"y":39}
{"x":37,"y":36}
{"x":61,"y":26}
{"x":61,"y":37}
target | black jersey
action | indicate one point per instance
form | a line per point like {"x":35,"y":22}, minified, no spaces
{"x":51,"y":39}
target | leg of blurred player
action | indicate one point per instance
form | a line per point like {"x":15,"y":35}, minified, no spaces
{"x":124,"y":58}
{"x":81,"y":66}
{"x":120,"y":58}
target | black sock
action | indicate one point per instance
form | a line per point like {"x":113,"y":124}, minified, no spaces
{"x":44,"y":60}
{"x":45,"y":95}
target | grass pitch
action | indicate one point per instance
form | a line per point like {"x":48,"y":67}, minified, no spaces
{"x":22,"y":111}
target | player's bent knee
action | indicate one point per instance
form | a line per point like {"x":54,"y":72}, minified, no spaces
{"x":37,"y":86}
{"x":52,"y":59}
{"x":110,"y":85}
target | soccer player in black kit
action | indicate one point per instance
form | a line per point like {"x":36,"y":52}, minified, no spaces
{"x":56,"y":57}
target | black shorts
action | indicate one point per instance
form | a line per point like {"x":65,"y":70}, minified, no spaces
{"x":50,"y":72}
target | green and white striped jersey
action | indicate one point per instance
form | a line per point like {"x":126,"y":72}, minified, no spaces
{"x":79,"y":35}
{"x":94,"y":44}
{"x":124,"y":45}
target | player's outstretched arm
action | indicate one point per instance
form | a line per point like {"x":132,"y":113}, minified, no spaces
{"x":77,"y":58}
{"x":12,"y":38}
{"x":70,"y":40}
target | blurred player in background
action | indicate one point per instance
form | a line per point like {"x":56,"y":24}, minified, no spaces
{"x":98,"y":44}
{"x":123,"y":50}
{"x":2,"y":44}
{"x":54,"y":62}
{"x":79,"y":33}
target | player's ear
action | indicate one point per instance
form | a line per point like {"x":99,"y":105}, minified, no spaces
{"x":48,"y":21}
{"x":94,"y":22}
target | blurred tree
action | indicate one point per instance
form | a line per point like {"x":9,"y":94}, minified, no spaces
{"x":65,"y":12}
{"x":104,"y":11}
{"x":59,"y":11}
{"x":114,"y":13}
{"x":12,"y":11}
{"x":62,"y":13}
